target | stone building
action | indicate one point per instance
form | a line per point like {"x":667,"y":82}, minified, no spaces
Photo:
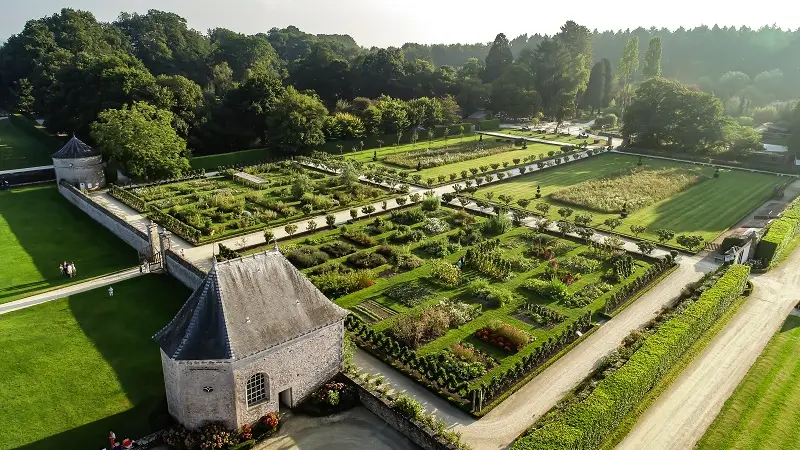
{"x":79,"y":165}
{"x":254,"y":336}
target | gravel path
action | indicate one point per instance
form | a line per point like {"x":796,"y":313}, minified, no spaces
{"x":355,"y":429}
{"x":512,"y":417}
{"x":681,"y":415}
{"x":69,"y":290}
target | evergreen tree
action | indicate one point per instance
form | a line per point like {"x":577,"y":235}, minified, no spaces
{"x":608,"y":81}
{"x":593,"y":98}
{"x":498,"y":59}
{"x":652,"y":59}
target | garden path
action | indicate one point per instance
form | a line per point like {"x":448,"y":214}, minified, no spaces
{"x":499,"y":428}
{"x":528,"y":138}
{"x":353,"y":429}
{"x":681,"y":415}
{"x":69,"y":290}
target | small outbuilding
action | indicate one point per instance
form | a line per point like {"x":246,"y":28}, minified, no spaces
{"x":255,"y":335}
{"x":79,"y":165}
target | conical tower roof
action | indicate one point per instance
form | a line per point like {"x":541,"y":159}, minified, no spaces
{"x":244,"y":306}
{"x":75,"y":148}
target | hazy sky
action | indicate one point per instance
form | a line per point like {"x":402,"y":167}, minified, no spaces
{"x":383,"y":22}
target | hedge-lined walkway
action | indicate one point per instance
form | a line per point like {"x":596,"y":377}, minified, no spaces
{"x":681,"y":415}
{"x":501,"y":426}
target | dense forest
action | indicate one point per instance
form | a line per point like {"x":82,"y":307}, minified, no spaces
{"x":291,"y":91}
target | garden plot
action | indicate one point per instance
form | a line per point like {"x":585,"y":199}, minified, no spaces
{"x":674,"y":202}
{"x":518,"y":299}
{"x":265,"y":195}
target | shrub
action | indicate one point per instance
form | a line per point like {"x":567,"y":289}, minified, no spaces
{"x":609,"y":120}
{"x":542,"y":315}
{"x":497,"y":225}
{"x":495,"y":296}
{"x":408,"y":216}
{"x":434,"y":226}
{"x":440,"y":248}
{"x":504,"y":336}
{"x":403,"y":259}
{"x":359,"y":237}
{"x":406,"y":235}
{"x":554,"y":290}
{"x":445,"y":273}
{"x":365,"y":260}
{"x":408,"y":407}
{"x":580,"y":264}
{"x":305,"y":257}
{"x":336,"y":284}
{"x":430,"y":323}
{"x":431,"y":203}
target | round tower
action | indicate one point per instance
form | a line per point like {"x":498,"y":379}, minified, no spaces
{"x":79,"y":165}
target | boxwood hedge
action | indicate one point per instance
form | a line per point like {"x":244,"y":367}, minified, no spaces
{"x":584,"y":424}
{"x":779,"y":235}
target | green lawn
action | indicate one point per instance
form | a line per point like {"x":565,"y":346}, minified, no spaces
{"x":706,"y":209}
{"x":76,"y":368}
{"x":39,"y":229}
{"x":762,"y":413}
{"x":549,"y":136}
{"x":19,"y":148}
{"x":533,"y":149}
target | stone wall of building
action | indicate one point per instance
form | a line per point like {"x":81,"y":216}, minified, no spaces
{"x":199,"y":392}
{"x":183,"y":270}
{"x":125,"y":231}
{"x":81,"y":170}
{"x":413,"y":430}
{"x":302,"y":365}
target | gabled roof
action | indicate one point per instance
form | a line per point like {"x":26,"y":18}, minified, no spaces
{"x":75,"y":148}
{"x":244,"y":306}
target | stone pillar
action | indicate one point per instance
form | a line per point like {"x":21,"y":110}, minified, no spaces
{"x":165,"y":244}
{"x":152,"y":232}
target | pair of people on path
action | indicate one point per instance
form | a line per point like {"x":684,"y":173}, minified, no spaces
{"x":68,"y":269}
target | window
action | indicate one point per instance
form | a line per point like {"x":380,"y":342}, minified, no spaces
{"x":256,"y":389}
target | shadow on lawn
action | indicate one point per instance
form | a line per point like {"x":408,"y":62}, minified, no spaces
{"x":121,"y":329}
{"x":49,"y":230}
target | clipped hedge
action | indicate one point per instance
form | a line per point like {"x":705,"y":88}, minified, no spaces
{"x":389,"y":140}
{"x":584,"y":424}
{"x":488,"y":125}
{"x":779,"y":235}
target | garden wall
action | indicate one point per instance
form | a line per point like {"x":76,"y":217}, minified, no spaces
{"x":123,"y":230}
{"x":29,"y":176}
{"x":183,"y":270}
{"x":413,"y":430}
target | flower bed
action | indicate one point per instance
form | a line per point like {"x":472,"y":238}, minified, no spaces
{"x":504,"y":336}
{"x":216,"y":436}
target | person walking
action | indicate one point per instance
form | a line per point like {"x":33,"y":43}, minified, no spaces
{"x":74,"y":270}
{"x":110,"y":291}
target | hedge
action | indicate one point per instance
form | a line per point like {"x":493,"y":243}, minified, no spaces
{"x":489,"y":125}
{"x":779,"y":235}
{"x":584,"y":424}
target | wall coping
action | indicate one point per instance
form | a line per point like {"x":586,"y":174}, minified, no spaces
{"x":139,"y":233}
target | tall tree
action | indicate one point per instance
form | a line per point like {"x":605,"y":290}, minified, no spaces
{"x":608,"y":83}
{"x":296,"y":122}
{"x":593,"y":97}
{"x":513,"y":92}
{"x":141,"y":139}
{"x":794,"y":137}
{"x":498,"y":59}
{"x":241,"y":51}
{"x":652,"y":59}
{"x":626,"y":71}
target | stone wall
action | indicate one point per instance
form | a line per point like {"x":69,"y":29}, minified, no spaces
{"x":302,"y":365}
{"x":125,"y":231}
{"x":183,"y":270}
{"x":199,"y":392}
{"x":413,"y":430}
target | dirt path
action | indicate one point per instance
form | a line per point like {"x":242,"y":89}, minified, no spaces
{"x":354,"y":429}
{"x":512,"y":417}
{"x":681,"y":415}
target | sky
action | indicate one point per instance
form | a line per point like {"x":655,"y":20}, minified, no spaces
{"x":391,"y":23}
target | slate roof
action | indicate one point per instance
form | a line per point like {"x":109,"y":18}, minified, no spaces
{"x":75,"y":148}
{"x":244,"y":306}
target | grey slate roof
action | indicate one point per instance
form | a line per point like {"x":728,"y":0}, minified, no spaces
{"x":75,"y":148}
{"x":244,"y":306}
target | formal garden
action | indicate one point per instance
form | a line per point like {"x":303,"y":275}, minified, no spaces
{"x":467,"y":305}
{"x":674,"y":204}
{"x":39,"y":230}
{"x":202,"y":209}
{"x":91,"y":360}
{"x":595,"y":411}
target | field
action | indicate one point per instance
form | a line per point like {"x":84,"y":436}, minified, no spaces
{"x":204,"y":209}
{"x":20,"y":148}
{"x":706,"y":209}
{"x":39,"y":229}
{"x":396,"y":273}
{"x":78,"y":367}
{"x":762,"y":413}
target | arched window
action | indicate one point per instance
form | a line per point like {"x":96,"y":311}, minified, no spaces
{"x":256,"y":389}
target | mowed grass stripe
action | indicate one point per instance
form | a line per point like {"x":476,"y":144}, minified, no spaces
{"x":762,"y":412}
{"x":456,"y":168}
